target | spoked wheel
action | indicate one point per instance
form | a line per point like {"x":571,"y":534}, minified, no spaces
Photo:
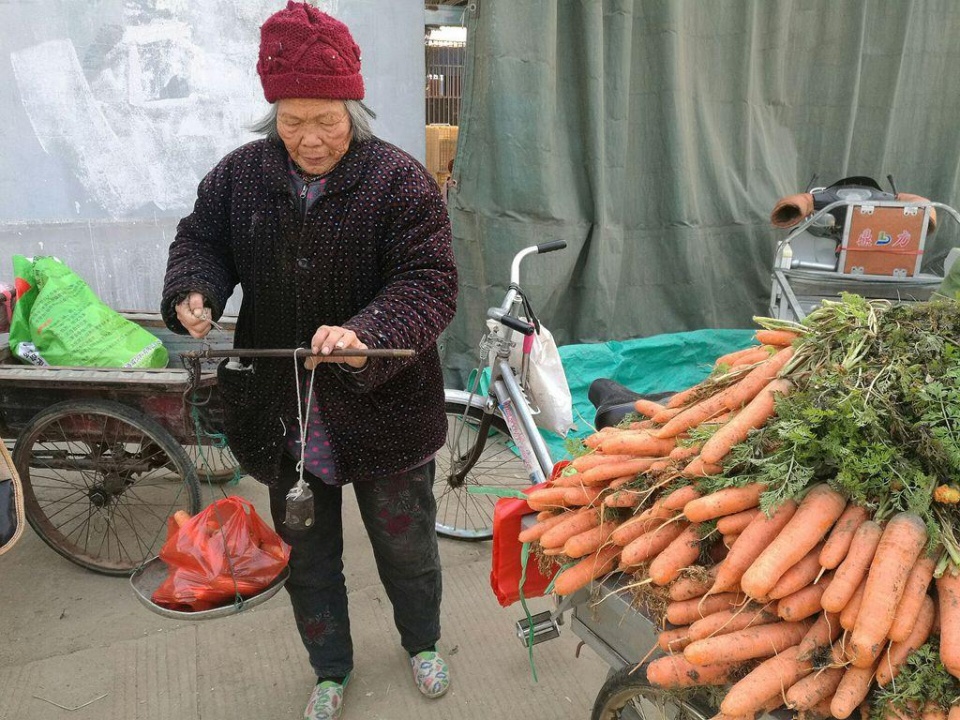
{"x":461,"y":514}
{"x":214,"y":464}
{"x":628,"y":696}
{"x":99,"y":482}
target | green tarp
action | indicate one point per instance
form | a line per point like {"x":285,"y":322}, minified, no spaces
{"x":655,"y":136}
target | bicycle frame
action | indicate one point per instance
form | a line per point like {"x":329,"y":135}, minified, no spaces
{"x":506,"y":395}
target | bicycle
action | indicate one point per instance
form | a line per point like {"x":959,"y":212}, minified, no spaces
{"x":492,"y":437}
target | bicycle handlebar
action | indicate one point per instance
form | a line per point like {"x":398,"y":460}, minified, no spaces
{"x":551,"y":245}
{"x":511,"y":322}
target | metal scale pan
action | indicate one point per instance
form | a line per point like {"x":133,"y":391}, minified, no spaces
{"x":145,"y":580}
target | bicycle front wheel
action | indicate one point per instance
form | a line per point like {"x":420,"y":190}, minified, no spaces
{"x":463,"y":515}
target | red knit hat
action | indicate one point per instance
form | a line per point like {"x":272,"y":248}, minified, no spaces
{"x":305,"y":53}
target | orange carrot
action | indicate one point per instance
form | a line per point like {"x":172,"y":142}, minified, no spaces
{"x":681,"y":398}
{"x":573,"y":523}
{"x":621,"y":481}
{"x":755,"y":415}
{"x":852,"y":690}
{"x":534,"y":532}
{"x":546,"y":498}
{"x":631,"y":529}
{"x":693,"y":415}
{"x":765,"y":681}
{"x":679,"y":498}
{"x":681,"y":453}
{"x":948,"y":590}
{"x":640,"y":444}
{"x":729,"y":540}
{"x":589,"y":568}
{"x":838,"y":543}
{"x":913,"y":597}
{"x":680,"y":553}
{"x":799,"y":576}
{"x":731,"y":398}
{"x":737,"y":522}
{"x":652,"y":543}
{"x":751,"y":543}
{"x":647,"y":407}
{"x":685,"y":612}
{"x":622,"y":499}
{"x":803,"y":603}
{"x":900,"y":546}
{"x":735,"y":357}
{"x":892,"y":660}
{"x":588,"y":541}
{"x":932,"y":711}
{"x":748,"y":644}
{"x":692,"y":586}
{"x":592,"y":460}
{"x":954,"y":712}
{"x":674,"y":671}
{"x":604,"y":473}
{"x":853,"y":570}
{"x":825,"y":629}
{"x":818,"y":511}
{"x":673,"y":641}
{"x":544,"y":515}
{"x":723,"y":502}
{"x":728,"y":621}
{"x":751,"y":358}
{"x":583,"y":495}
{"x":807,"y":692}
{"x":180,"y":517}
{"x":697,"y":468}
{"x":849,"y":614}
{"x":780,"y":338}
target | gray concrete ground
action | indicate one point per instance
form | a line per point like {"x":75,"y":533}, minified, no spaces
{"x":78,"y":645}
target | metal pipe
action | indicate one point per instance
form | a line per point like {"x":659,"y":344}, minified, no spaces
{"x":526,"y":420}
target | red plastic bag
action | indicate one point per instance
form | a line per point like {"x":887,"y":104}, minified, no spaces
{"x":507,"y":565}
{"x":196,"y":554}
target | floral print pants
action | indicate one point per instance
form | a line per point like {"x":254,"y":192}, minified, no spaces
{"x":399,"y":514}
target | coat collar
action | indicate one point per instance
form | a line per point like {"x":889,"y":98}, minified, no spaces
{"x":344,"y":175}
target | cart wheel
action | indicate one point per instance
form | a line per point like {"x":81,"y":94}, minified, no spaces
{"x":467,"y":516}
{"x":628,"y":695}
{"x":217,"y":464}
{"x":99,"y":482}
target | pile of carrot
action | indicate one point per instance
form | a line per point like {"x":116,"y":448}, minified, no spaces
{"x":810,"y":605}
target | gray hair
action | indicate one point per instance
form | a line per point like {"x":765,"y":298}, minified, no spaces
{"x":360,"y":116}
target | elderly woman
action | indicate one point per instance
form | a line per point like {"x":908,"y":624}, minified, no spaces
{"x":338,"y":240}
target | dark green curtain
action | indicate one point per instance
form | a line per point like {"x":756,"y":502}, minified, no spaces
{"x":655,"y":136}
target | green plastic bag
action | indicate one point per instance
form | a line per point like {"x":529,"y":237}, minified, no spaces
{"x":59,"y":320}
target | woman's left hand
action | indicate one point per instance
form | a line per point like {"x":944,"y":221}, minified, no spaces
{"x":328,"y":338}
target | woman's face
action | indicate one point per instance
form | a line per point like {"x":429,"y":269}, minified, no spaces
{"x":316,"y":132}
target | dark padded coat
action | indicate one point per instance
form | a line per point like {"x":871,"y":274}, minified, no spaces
{"x":372,"y":254}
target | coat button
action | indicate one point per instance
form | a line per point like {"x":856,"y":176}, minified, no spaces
{"x":304,"y":263}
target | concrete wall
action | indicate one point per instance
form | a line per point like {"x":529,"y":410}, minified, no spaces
{"x":115,"y":110}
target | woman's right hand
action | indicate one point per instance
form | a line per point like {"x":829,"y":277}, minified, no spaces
{"x":194,"y":314}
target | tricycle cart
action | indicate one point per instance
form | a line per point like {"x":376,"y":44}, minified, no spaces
{"x":106,"y":455}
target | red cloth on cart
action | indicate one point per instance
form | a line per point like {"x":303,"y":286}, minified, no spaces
{"x":507,"y":564}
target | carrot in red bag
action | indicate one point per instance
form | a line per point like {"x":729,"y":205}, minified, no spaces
{"x":223,"y":551}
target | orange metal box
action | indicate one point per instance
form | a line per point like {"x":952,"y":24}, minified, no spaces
{"x":884,"y":239}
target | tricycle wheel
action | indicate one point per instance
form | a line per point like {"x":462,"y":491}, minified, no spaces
{"x":627,"y":694}
{"x":99,"y":482}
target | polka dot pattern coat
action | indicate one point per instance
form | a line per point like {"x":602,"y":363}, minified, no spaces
{"x":373,"y":254}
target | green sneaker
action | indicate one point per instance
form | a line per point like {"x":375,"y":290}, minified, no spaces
{"x":326,"y":701}
{"x":430,"y":673}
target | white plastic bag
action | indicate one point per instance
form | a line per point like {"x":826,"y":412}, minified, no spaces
{"x":546,"y":382}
